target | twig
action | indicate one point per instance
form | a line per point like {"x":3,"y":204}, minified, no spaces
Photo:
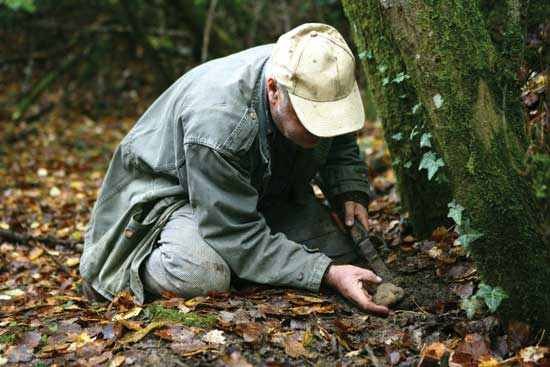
{"x":420,"y":307}
{"x":208,"y":29}
{"x":24,"y":239}
{"x":163,"y":70}
{"x":372,"y":357}
{"x":59,"y":264}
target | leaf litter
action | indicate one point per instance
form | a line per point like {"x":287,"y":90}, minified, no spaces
{"x":49,"y":185}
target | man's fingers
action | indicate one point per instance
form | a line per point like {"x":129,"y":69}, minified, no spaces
{"x":363,"y":299}
{"x":369,"y":276}
{"x":349,"y":207}
{"x":373,"y":307}
{"x":362,"y":215}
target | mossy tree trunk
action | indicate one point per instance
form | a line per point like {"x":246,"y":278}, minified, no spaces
{"x":404,"y":123}
{"x":469,"y":94}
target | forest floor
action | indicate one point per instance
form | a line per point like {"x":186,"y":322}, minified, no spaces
{"x":50,"y":172}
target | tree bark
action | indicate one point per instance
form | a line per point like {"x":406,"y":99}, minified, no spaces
{"x":403,"y":123}
{"x":469,"y":93}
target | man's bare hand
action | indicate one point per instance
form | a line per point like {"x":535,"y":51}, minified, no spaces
{"x":348,"y":280}
{"x":354,"y":210}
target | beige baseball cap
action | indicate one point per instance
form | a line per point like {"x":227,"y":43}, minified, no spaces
{"x":317,"y":67}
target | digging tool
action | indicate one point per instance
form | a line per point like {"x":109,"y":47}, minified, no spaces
{"x":386,"y":293}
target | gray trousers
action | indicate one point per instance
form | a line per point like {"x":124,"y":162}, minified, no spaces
{"x":184,"y":264}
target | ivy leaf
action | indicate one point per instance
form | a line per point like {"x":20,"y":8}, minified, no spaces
{"x":407,"y":164}
{"x":425,"y":140}
{"x":432,"y":163}
{"x":397,"y":136}
{"x":385,"y":81}
{"x":416,"y":107}
{"x":455,"y":212}
{"x":382,"y":68}
{"x":467,"y":238}
{"x":493,"y":296}
{"x":438,"y":100}
{"x":471,"y":305}
{"x":400,"y":77}
{"x":414,"y":132}
{"x":367,"y":54}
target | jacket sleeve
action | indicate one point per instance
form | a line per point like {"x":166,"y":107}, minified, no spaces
{"x":344,"y":170}
{"x":224,"y":203}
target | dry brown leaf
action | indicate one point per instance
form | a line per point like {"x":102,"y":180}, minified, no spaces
{"x":140,"y":334}
{"x":308,"y":310}
{"x":251,"y":332}
{"x":235,"y":359}
{"x":128,"y":315}
{"x":294,"y":346}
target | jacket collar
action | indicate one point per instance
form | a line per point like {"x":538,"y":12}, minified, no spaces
{"x":259,"y":104}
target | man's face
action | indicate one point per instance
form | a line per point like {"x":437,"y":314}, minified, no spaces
{"x":285,"y":117}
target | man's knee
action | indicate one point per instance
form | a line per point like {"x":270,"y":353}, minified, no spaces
{"x":185,"y":273}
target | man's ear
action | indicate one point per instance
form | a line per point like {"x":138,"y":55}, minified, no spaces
{"x":273,"y":92}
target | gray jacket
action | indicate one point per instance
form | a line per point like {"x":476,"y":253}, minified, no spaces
{"x":203,"y":141}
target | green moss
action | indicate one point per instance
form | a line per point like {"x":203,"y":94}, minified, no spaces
{"x":7,"y":338}
{"x":382,"y":64}
{"x":447,"y":49}
{"x":158,"y":312}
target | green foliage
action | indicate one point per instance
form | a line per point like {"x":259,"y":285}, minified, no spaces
{"x":466,"y":239}
{"x":493,"y":297}
{"x":366,"y":55}
{"x":472,"y":305}
{"x":397,"y":137}
{"x":382,"y":68}
{"x":467,"y":234}
{"x":416,"y":107}
{"x":414,"y":132}
{"x":400,"y":77}
{"x":7,"y":338}
{"x":425,"y":140}
{"x":158,"y":312}
{"x":455,"y":212}
{"x":438,"y":100}
{"x":431,"y":162}
{"x":540,"y":166}
{"x":24,"y":5}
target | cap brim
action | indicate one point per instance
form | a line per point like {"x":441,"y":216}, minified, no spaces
{"x":328,"y":119}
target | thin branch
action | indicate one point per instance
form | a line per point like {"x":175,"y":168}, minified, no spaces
{"x":24,"y":239}
{"x":208,"y":29}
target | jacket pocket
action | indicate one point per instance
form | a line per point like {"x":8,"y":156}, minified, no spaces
{"x":241,"y":138}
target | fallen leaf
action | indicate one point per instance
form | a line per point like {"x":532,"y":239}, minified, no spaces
{"x":128,"y":315}
{"x":308,"y":310}
{"x":55,"y":192}
{"x":117,"y":361}
{"x":214,"y":337}
{"x":31,"y":339}
{"x":14,"y":293}
{"x":235,"y":359}
{"x":19,"y":353}
{"x":251,"y":332}
{"x":294,"y":347}
{"x":72,"y":261}
{"x":35,"y":253}
{"x":140,"y":334}
{"x":534,"y":354}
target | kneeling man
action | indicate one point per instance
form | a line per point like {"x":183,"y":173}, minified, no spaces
{"x":214,"y":180}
